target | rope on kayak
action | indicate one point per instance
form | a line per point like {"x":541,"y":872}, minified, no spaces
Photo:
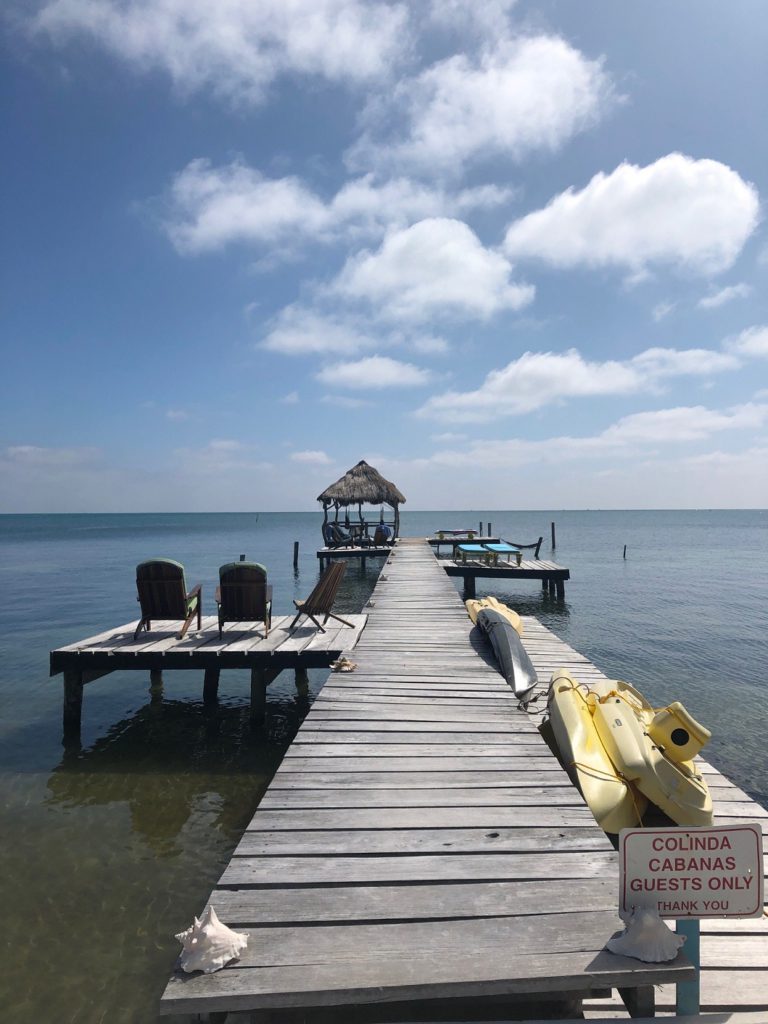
{"x":614,"y":776}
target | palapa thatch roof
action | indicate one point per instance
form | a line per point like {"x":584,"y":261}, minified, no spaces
{"x":362,"y":485}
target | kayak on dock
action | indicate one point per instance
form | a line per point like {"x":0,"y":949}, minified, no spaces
{"x":503,"y":628}
{"x":625,"y":754}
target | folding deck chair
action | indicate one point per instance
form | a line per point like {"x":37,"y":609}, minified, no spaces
{"x":320,"y":601}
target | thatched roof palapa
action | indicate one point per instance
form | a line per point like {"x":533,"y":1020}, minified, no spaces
{"x":362,"y":485}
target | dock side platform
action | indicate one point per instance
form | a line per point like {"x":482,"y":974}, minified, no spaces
{"x":552,"y":575}
{"x":242,"y":646}
{"x":419,"y":841}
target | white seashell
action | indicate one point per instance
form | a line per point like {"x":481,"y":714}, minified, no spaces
{"x":646,"y":937}
{"x":209,"y":945}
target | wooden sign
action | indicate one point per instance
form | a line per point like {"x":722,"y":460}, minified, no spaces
{"x":715,"y":871}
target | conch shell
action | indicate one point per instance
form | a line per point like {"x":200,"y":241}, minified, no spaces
{"x":646,"y":937}
{"x":209,"y":945}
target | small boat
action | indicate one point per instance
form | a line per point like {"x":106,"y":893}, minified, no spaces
{"x":503,"y":627}
{"x":624,"y":753}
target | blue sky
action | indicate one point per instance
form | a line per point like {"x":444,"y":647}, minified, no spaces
{"x":512,"y":254}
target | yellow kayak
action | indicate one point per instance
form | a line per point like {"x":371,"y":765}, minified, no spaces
{"x":625,"y":753}
{"x":473,"y":607}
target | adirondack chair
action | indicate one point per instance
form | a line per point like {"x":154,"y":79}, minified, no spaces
{"x":243,"y":595}
{"x":162,"y":594}
{"x":320,"y":601}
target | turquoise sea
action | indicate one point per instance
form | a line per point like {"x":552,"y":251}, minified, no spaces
{"x":109,"y":848}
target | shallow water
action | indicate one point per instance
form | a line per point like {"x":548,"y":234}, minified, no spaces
{"x":110,"y":848}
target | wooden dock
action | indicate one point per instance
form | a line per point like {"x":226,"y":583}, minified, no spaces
{"x":552,"y":575}
{"x":242,"y":646}
{"x":419,"y":842}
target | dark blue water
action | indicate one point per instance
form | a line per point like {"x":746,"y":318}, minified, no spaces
{"x":110,"y":848}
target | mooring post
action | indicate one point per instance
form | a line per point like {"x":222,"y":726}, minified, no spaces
{"x":481,"y":528}
{"x":73,"y":701}
{"x":687,"y":998}
{"x":211,"y":685}
{"x":489,"y":529}
{"x":295,"y":554}
{"x":625,"y":551}
{"x":554,"y":544}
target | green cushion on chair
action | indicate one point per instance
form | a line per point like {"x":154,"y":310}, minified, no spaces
{"x":192,"y":604}
{"x":241,"y":565}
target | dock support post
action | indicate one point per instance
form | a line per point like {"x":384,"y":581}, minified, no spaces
{"x":687,"y":998}
{"x":560,"y":590}
{"x":552,"y":588}
{"x":469,"y":586}
{"x":544,"y":585}
{"x":258,"y":695}
{"x":73,"y":701}
{"x":640,"y":1002}
{"x":211,"y":685}
{"x":362,"y":564}
{"x":302,"y":680}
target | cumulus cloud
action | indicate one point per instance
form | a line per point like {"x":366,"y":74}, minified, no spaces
{"x":438,"y":266}
{"x":691,"y":214}
{"x":519,"y":96}
{"x":297,"y":330}
{"x":636,"y":433}
{"x":537,"y":379}
{"x":751,"y":342}
{"x":212,"y":207}
{"x":314,"y":458}
{"x":727,"y":294}
{"x":237,"y":47}
{"x":373,"y":373}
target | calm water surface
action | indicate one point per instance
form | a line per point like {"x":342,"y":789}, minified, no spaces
{"x":109,"y":848}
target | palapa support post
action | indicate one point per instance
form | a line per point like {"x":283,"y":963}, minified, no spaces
{"x":211,"y":685}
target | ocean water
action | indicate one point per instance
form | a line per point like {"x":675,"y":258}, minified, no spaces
{"x":109,"y":848}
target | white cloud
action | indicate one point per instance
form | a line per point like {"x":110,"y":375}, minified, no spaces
{"x":212,"y":207}
{"x":238,"y":47}
{"x":292,"y":398}
{"x":671,"y":362}
{"x":345,"y":402}
{"x":727,"y":294}
{"x":520,"y":96}
{"x":315,"y":458}
{"x":692,"y":214}
{"x":299,"y":331}
{"x":35,"y":455}
{"x":662,"y":310}
{"x":374,"y":372}
{"x":537,"y":379}
{"x":686,"y":423}
{"x":751,"y":342}
{"x":489,"y":18}
{"x":177,"y":414}
{"x":448,"y":437}
{"x":437,"y":266}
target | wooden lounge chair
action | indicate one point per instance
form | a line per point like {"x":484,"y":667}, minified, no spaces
{"x":320,"y":601}
{"x":243,"y":595}
{"x":162,"y":594}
